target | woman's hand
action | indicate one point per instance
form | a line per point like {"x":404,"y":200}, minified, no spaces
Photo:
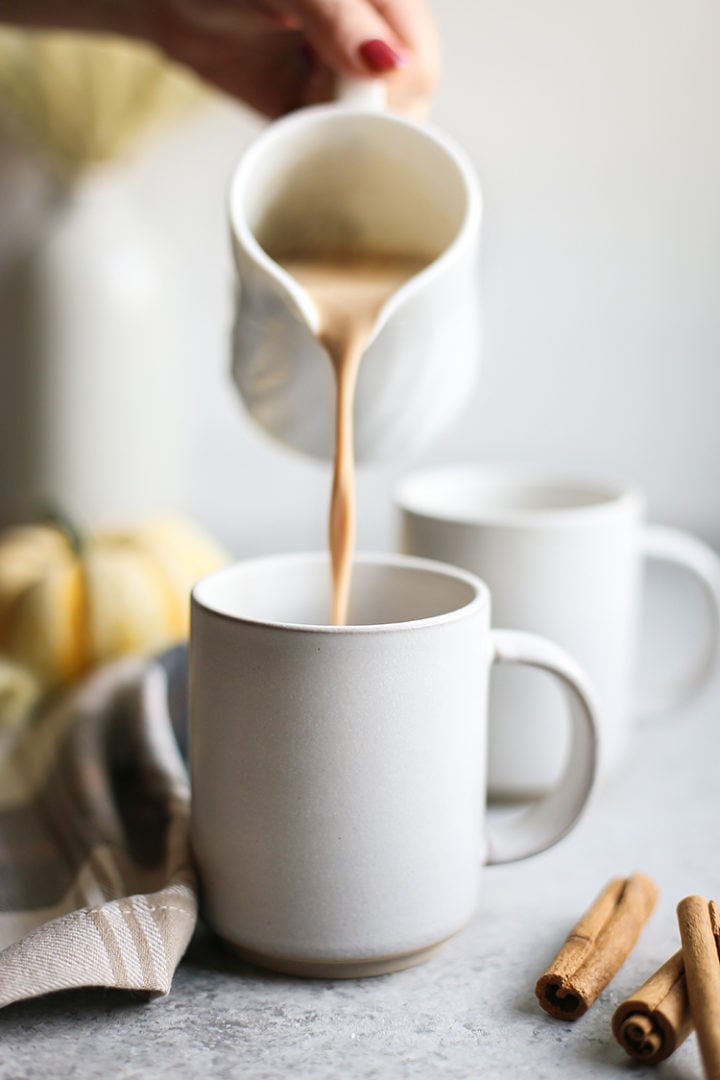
{"x":277,"y":55}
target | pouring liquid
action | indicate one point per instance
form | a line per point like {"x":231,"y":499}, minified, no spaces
{"x":349,"y":293}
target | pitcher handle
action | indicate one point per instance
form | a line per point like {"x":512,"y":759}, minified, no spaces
{"x":364,"y":94}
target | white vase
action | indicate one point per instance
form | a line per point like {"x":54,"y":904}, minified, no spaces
{"x":93,"y":401}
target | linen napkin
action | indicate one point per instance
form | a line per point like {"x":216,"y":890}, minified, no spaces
{"x":96,"y":884}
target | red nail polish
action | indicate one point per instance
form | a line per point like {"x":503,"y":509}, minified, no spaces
{"x":379,"y":57}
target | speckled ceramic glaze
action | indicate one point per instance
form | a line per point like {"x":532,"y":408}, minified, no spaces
{"x":338,"y":773}
{"x":563,"y":556}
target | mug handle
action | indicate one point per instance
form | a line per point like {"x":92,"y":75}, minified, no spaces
{"x":684,"y":550}
{"x":365,"y":94}
{"x":550,"y":818}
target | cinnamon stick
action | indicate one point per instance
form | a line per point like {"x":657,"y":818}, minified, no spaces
{"x":597,"y":947}
{"x":699,"y":923}
{"x":653,"y":1021}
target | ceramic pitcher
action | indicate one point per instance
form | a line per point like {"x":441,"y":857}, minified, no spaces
{"x":350,"y":176}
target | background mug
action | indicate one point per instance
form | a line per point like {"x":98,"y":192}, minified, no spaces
{"x":563,"y":557}
{"x":338,"y":773}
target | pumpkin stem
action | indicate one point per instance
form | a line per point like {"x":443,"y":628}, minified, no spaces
{"x":52,"y":515}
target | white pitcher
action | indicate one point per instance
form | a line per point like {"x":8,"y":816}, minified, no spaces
{"x":350,"y":175}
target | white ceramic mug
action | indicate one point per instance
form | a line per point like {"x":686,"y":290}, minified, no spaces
{"x":562,"y":556}
{"x":349,"y":176}
{"x":338,"y":773}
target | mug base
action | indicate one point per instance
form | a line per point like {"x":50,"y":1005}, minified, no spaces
{"x":335,"y":969}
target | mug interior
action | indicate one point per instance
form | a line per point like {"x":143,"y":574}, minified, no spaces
{"x":333,"y":180}
{"x":475,"y":494}
{"x":295,"y":590}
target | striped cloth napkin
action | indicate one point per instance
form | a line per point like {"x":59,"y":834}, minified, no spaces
{"x":96,"y":886}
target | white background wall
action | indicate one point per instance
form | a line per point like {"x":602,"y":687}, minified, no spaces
{"x":595,"y":128}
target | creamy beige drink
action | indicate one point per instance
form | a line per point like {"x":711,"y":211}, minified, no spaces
{"x":348,"y":292}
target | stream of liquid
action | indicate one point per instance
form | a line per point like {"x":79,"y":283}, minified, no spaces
{"x":349,"y":293}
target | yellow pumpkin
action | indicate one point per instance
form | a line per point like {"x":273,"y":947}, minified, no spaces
{"x":67,"y":604}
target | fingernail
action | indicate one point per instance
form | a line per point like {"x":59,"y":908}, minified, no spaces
{"x":379,"y":57}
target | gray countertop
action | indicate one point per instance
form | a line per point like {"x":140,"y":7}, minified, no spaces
{"x":468,"y":1011}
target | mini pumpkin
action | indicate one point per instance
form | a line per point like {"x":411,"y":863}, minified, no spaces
{"x":68,"y":603}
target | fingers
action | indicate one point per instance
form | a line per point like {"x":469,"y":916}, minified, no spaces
{"x":395,"y":38}
{"x":350,"y":36}
{"x":414,"y":25}
{"x":360,"y":38}
{"x":412,"y":22}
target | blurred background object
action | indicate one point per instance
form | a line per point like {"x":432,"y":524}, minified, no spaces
{"x":595,"y":129}
{"x":70,"y":600}
{"x":93,"y":376}
{"x":81,"y":99}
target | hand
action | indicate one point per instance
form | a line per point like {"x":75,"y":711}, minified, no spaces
{"x":277,"y":55}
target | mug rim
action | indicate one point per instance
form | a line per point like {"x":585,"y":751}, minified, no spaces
{"x":606,"y":500}
{"x":334,"y":112}
{"x":479,"y":603}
